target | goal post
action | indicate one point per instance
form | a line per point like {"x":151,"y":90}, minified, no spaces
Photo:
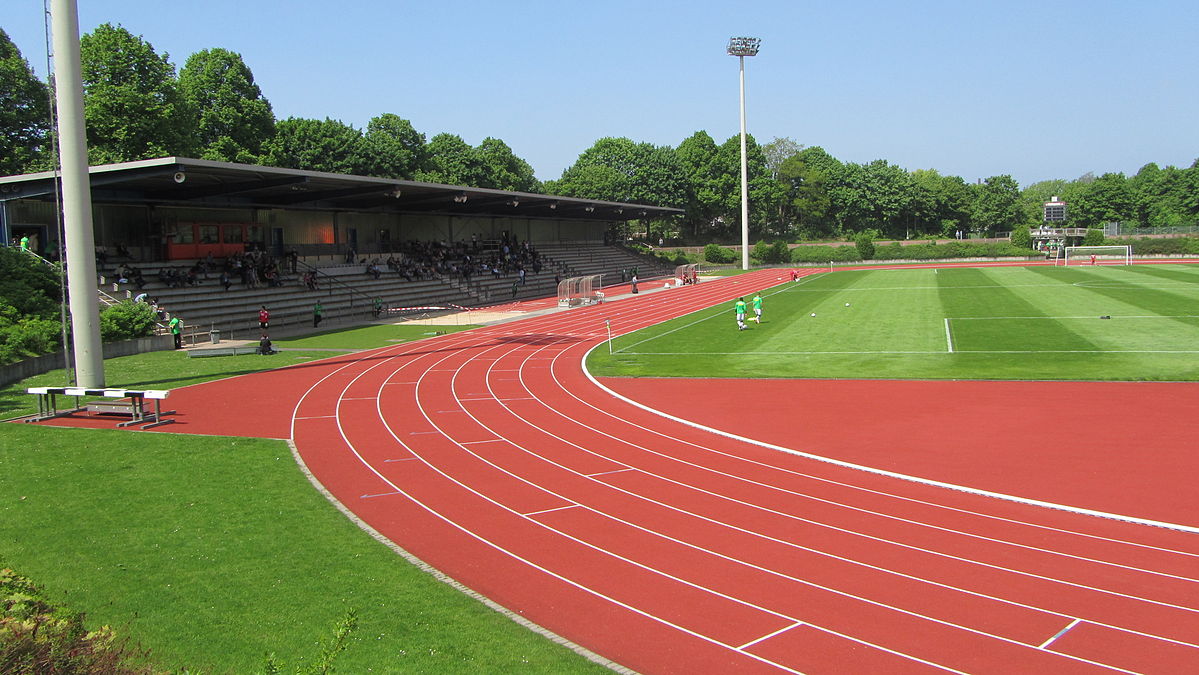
{"x":686,"y":274}
{"x":577,"y":291}
{"x":1097,"y":255}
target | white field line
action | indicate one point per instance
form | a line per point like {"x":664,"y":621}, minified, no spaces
{"x":960,"y":351}
{"x":948,"y":336}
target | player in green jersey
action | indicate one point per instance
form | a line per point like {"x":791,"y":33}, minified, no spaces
{"x":757,"y":304}
{"x":739,"y":307}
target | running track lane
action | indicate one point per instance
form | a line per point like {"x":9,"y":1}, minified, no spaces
{"x":670,"y":549}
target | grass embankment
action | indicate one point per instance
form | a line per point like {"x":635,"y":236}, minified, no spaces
{"x":1041,"y":323}
{"x":212,"y":552}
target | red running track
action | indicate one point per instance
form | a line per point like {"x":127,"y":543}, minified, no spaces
{"x":492,"y":456}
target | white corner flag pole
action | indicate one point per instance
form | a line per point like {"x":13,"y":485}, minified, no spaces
{"x":608,"y":323}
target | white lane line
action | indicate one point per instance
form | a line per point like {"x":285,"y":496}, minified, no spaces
{"x":780,"y":631}
{"x":605,"y":473}
{"x":556,"y":508}
{"x":1060,"y":633}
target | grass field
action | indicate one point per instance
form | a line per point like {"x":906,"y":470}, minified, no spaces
{"x":214,"y":551}
{"x":951,"y":323}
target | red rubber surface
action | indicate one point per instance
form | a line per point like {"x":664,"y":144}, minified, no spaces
{"x":667,"y":548}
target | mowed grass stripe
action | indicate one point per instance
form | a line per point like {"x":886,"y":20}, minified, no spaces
{"x":993,"y":298}
{"x":1081,"y":307}
{"x":1007,"y":323}
{"x":1124,"y":285}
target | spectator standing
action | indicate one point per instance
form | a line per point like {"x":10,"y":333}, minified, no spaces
{"x":317,"y":312}
{"x":25,"y":242}
{"x":176,"y":327}
{"x":264,"y":318}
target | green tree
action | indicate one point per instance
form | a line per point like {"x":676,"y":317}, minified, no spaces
{"x":697,"y":158}
{"x":315,"y":145}
{"x":24,"y":113}
{"x":765,"y":193}
{"x":617,"y":169}
{"x":1160,"y":196}
{"x":233,"y":119}
{"x":392,"y":148}
{"x":132,"y":106}
{"x":875,"y":195}
{"x":1106,"y":199}
{"x":996,"y":205}
{"x":502,"y":169}
{"x":1021,"y":237}
{"x":451,"y":161}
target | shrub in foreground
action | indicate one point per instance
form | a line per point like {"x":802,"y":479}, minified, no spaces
{"x":37,"y":637}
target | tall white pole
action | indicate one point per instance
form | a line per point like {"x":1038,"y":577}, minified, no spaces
{"x":744,"y":177}
{"x":76,"y":197}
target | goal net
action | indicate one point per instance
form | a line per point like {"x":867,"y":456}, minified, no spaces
{"x":1097,"y":255}
{"x":686,"y":273}
{"x":580,"y":290}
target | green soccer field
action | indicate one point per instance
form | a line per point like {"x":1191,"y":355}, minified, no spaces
{"x":1044,"y":323}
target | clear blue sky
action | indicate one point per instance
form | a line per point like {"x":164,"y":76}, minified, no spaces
{"x":1039,"y":90}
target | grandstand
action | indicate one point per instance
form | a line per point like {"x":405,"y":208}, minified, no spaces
{"x":175,"y":211}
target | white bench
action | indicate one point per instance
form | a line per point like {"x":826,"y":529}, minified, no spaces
{"x":135,"y":407}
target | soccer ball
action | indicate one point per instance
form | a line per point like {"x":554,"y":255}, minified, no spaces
{"x":847,"y":304}
{"x":813,"y":313}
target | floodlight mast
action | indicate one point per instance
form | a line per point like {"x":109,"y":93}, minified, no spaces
{"x":742,"y":47}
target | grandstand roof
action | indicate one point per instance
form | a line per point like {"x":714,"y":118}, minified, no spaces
{"x":182,"y":181}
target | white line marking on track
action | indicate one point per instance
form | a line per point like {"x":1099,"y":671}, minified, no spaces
{"x":485,"y":440}
{"x":1060,"y":633}
{"x":317,"y":417}
{"x":556,"y":508}
{"x":381,"y":494}
{"x":780,"y":631}
{"x":605,"y":473}
{"x":747,"y":564}
{"x":400,"y":459}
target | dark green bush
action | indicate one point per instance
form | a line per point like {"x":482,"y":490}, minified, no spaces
{"x":1021,"y":237}
{"x":25,"y":336}
{"x":864,"y":241}
{"x":715,"y":253}
{"x":126,"y":321}
{"x":1093,"y":238}
{"x":824,"y":254}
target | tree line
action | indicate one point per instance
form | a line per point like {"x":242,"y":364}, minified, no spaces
{"x":138,"y":107}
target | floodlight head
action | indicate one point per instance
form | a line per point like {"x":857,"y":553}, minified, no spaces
{"x":744,"y":46}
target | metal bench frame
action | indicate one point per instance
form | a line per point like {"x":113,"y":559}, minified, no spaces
{"x":47,"y":404}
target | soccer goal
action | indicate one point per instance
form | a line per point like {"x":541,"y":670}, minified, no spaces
{"x":687,"y":274}
{"x":1097,"y":255}
{"x":577,"y":291}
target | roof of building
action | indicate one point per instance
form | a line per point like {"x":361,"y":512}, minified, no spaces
{"x":181,"y":181}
